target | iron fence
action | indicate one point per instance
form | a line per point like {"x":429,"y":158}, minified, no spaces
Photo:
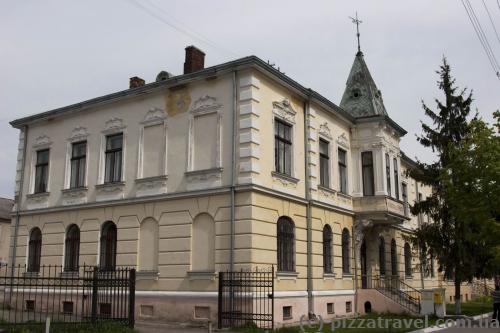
{"x":84,"y":295}
{"x":246,"y":298}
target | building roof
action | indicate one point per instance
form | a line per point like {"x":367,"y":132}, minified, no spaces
{"x":239,"y":64}
{"x":6,"y":208}
{"x":361,"y":96}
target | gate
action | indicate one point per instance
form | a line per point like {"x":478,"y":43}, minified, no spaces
{"x":84,"y":295}
{"x":246,"y":298}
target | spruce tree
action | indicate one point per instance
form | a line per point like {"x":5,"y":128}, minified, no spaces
{"x":446,"y":238}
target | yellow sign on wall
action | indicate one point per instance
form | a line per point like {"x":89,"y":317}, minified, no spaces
{"x":437,"y":298}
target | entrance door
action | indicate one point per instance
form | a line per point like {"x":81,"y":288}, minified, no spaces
{"x":364,"y":281}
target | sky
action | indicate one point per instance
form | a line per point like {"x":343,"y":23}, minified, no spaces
{"x":55,"y":53}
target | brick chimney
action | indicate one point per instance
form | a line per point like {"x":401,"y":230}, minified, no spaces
{"x":195,"y":60}
{"x":136,"y":82}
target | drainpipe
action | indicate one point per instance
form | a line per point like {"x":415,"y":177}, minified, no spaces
{"x":233,"y":166}
{"x":420,"y":250}
{"x":18,"y":203}
{"x":355,"y":280}
{"x":310,"y":300}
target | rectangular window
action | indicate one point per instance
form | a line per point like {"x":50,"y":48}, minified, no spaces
{"x":153,"y":151}
{"x":348,"y":307}
{"x":114,"y":155}
{"x":388,"y":173}
{"x":330,"y":309}
{"x":282,"y":147}
{"x":41,"y":171}
{"x":205,"y":141}
{"x":324,"y":163}
{"x":342,"y":170}
{"x":78,"y":161}
{"x":404,"y":189}
{"x":396,"y":179}
{"x":67,"y":307}
{"x":287,"y":312}
{"x":367,"y":170}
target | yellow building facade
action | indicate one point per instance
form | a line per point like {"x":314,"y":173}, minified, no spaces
{"x":192,"y":174}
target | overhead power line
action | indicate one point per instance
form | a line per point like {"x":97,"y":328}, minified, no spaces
{"x":491,"y":21}
{"x":159,"y":14}
{"x":481,"y":36}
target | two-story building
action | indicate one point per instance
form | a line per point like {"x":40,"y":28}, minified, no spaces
{"x":230,"y":167}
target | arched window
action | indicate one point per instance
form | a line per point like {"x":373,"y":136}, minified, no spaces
{"x":203,"y":253}
{"x":381,"y":255}
{"x":34,"y":250}
{"x":408,"y":268}
{"x":72,"y":248}
{"x":286,"y":245}
{"x":148,"y":245}
{"x":394,"y":258}
{"x":327,"y":249}
{"x":107,"y":259}
{"x":346,"y":252}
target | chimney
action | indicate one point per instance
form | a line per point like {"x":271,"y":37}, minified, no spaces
{"x":195,"y":60}
{"x":136,"y":82}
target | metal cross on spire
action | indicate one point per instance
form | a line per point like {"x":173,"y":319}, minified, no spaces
{"x":357,"y":22}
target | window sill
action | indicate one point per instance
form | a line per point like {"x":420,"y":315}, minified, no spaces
{"x":329,"y":276}
{"x":37,"y":195}
{"x":203,"y":171}
{"x":69,"y":274}
{"x":147,"y":275}
{"x":344,"y":195}
{"x":287,"y":275}
{"x":31,"y":274}
{"x":109,"y":185}
{"x":202,"y":275}
{"x":75,"y":189}
{"x":347,"y":276}
{"x":285,"y":177}
{"x":326,"y":189}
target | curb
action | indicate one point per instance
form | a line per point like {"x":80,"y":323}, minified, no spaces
{"x":439,"y":328}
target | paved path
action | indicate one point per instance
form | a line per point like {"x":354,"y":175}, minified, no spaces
{"x":153,"y":327}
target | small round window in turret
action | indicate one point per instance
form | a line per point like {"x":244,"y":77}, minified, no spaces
{"x":356,"y":93}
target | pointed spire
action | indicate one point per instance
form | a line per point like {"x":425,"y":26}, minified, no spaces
{"x":361,"y":96}
{"x":357,"y":22}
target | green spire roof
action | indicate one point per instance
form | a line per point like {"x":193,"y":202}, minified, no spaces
{"x":361,"y":96}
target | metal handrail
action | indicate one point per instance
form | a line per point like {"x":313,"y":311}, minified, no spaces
{"x":397,"y":290}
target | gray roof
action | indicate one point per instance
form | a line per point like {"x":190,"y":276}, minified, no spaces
{"x":6,"y":208}
{"x":361,"y":96}
{"x":242,"y":63}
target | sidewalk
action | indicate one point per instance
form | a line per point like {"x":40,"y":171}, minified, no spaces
{"x":155,"y":327}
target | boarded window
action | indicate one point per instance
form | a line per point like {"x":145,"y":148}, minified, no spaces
{"x":148,"y":245}
{"x":203,"y":253}
{"x":205,"y":141}
{"x":153,"y":154}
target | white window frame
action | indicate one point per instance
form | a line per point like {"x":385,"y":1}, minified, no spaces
{"x":203,"y":106}
{"x":112,"y":126}
{"x":42,"y":142}
{"x":154,"y":116}
{"x":77,"y":135}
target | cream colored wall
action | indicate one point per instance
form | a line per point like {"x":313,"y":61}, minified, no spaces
{"x":413,"y":189}
{"x":331,"y":128}
{"x":174,"y":105}
{"x":4,"y":240}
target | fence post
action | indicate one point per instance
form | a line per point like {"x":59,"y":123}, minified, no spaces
{"x":94,"y":295}
{"x":219,"y":312}
{"x":131,"y":297}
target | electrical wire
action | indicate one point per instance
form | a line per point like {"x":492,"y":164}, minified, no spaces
{"x":491,"y":21}
{"x":481,"y":36}
{"x":177,"y":27}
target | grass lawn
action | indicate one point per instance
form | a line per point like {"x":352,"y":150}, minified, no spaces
{"x":104,"y":327}
{"x":388,"y":323}
{"x":473,"y":308}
